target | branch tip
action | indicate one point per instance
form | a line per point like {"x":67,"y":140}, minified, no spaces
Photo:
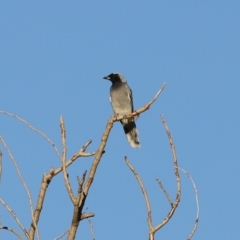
{"x":34,"y":129}
{"x":86,"y":145}
{"x":197,"y":203}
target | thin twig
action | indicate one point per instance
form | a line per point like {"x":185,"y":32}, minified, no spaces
{"x":23,"y":182}
{"x":178,"y":195}
{"x":87,"y":215}
{"x":80,"y":153}
{"x":66,"y":179}
{"x":12,"y":230}
{"x":165,"y":192}
{"x":91,"y":229}
{"x":61,"y":235}
{"x":34,"y":129}
{"x":81,"y":182}
{"x":149,"y":213}
{"x":15,"y":217}
{"x":197,"y":203}
{"x":84,"y":147}
{"x":80,"y":191}
{"x":147,"y":106}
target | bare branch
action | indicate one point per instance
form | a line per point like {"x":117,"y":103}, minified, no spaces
{"x":165,"y":192}
{"x":91,"y":228}
{"x":34,"y":129}
{"x":12,"y":230}
{"x":15,"y":217}
{"x":81,"y":195}
{"x":142,"y":109}
{"x":147,"y":106}
{"x":87,"y":215}
{"x":46,"y":181}
{"x":44,"y":185}
{"x":81,"y":182}
{"x":47,"y":177}
{"x":67,"y":183}
{"x":144,"y":193}
{"x":83,"y":149}
{"x":86,"y":155}
{"x":23,"y":182}
{"x":178,"y":195}
{"x":80,"y":153}
{"x":153,"y":230}
{"x":61,"y":235}
{"x":197,"y":203}
{"x":98,"y":154}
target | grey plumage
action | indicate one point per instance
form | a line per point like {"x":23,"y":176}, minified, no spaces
{"x":122,"y":104}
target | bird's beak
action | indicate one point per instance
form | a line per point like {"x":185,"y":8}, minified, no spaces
{"x":107,"y":78}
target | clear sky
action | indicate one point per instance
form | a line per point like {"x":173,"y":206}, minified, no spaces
{"x":53,"y":56}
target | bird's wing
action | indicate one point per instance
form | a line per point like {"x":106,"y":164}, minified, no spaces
{"x":130,"y":95}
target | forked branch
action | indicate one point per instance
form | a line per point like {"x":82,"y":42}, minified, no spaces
{"x":153,"y":230}
{"x":47,"y":179}
{"x":64,"y":154}
{"x":178,"y":194}
{"x":174,"y":205}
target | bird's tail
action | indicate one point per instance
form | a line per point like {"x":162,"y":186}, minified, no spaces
{"x":131,"y":132}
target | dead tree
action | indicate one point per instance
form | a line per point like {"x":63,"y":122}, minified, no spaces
{"x":85,"y":182}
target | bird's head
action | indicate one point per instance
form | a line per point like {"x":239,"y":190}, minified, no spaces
{"x":115,"y":77}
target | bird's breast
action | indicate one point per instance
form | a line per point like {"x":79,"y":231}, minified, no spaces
{"x":120,"y":100}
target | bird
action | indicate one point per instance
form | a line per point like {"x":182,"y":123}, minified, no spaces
{"x":122,"y":104}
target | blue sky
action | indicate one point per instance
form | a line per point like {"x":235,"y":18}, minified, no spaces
{"x":53,"y":56}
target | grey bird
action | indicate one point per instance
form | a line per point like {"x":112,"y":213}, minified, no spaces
{"x":122,"y":104}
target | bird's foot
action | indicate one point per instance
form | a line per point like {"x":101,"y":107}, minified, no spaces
{"x":116,"y":116}
{"x":135,"y":115}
